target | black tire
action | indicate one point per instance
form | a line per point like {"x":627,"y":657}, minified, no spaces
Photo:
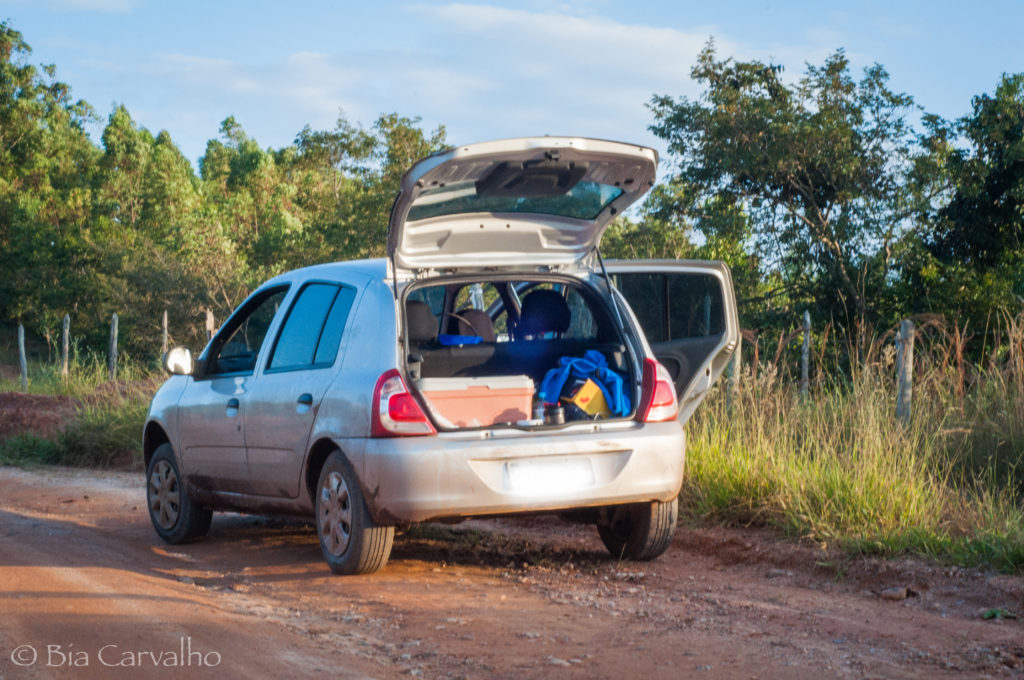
{"x":175,"y":516}
{"x":350,"y":540}
{"x":641,"y":531}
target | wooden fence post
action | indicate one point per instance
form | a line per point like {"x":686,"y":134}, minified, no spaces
{"x":905,"y":370}
{"x":805,"y":354}
{"x":733,"y":369}
{"x":65,"y":341}
{"x":736,"y":365}
{"x":209,"y":325}
{"x":163,"y":328}
{"x":112,"y":359}
{"x":22,"y":359}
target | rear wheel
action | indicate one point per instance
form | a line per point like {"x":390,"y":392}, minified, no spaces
{"x":640,"y":531}
{"x":175,"y":516}
{"x":350,"y":540}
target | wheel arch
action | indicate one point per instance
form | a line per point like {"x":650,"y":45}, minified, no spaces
{"x":318,"y":454}
{"x":153,"y":437}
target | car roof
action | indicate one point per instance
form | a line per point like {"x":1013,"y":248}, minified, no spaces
{"x":376,"y":268}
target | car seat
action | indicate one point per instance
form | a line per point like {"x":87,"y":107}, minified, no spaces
{"x":420,"y":322}
{"x":543,"y":311}
{"x":475,"y":322}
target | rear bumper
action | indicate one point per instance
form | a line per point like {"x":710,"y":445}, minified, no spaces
{"x":413,"y":479}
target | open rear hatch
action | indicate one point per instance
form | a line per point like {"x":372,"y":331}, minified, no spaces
{"x":531,"y":201}
{"x":526,"y":216}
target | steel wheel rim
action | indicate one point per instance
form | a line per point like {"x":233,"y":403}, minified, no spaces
{"x":335,"y":515}
{"x":164,"y":495}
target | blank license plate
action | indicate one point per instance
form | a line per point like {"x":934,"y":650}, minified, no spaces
{"x":548,"y":476}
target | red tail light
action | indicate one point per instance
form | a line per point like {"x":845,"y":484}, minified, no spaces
{"x":657,"y":394}
{"x":396,"y":413}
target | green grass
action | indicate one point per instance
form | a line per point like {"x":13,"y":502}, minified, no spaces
{"x":839,"y":468}
{"x":100,"y":436}
{"x":86,"y":372}
{"x":105,"y":430}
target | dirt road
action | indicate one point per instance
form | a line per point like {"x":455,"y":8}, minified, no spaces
{"x":88,"y":591}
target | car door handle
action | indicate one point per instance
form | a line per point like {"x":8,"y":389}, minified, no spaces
{"x":232,"y":403}
{"x":306,"y":399}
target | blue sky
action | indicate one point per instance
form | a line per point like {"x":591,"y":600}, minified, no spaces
{"x":484,"y":70}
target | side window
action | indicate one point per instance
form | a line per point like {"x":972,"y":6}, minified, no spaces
{"x":674,"y":306}
{"x":330,"y":338}
{"x":476,"y":296}
{"x":312,"y":331}
{"x":581,"y":323}
{"x":694,"y":306}
{"x":484,"y":297}
{"x":646,"y":295}
{"x":245,"y":333}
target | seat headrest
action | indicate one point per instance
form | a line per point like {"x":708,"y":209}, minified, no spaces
{"x":544,"y":311}
{"x":420,"y":322}
{"x":476,"y":322}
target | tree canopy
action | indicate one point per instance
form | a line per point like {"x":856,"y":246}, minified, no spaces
{"x":828,"y":191}
{"x":128,"y":226}
{"x":807,"y":176}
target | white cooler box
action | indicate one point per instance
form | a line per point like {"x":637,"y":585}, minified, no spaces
{"x":478,"y":402}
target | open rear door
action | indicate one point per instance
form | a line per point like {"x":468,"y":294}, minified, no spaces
{"x":687,"y":310}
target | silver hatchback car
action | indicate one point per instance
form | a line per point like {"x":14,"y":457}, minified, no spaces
{"x":492,"y":364}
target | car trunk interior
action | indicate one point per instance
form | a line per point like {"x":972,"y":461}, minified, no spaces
{"x":479,"y":352}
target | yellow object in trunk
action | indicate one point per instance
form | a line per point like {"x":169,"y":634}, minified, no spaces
{"x":590,"y":399}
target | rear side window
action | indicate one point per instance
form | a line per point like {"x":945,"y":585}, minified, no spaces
{"x":674,"y":306}
{"x":694,"y":306}
{"x":330,"y":338}
{"x":646,"y":295}
{"x":311,"y":334}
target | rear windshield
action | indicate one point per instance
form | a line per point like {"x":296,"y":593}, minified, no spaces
{"x":584,"y":201}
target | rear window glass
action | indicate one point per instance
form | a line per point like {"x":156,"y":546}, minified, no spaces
{"x":585,"y":201}
{"x":434,"y":297}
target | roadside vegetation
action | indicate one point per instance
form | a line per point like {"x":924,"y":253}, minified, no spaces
{"x":834,"y":466}
{"x":100,"y":422}
{"x":837,"y":466}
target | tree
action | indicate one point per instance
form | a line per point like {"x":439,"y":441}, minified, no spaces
{"x":129,"y":227}
{"x":970,"y":261}
{"x":46,"y":165}
{"x":806,"y":177}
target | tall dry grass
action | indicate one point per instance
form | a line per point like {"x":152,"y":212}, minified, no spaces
{"x":838,"y":467}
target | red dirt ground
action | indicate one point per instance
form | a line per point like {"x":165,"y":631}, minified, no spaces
{"x":81,"y":569}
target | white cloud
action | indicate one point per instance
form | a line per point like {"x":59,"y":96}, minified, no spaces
{"x":309,"y":81}
{"x":482,"y":71}
{"x":556,"y":41}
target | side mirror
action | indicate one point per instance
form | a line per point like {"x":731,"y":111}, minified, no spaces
{"x":178,"y":361}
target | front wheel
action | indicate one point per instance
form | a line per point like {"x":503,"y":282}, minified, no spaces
{"x":640,"y":531}
{"x":350,"y":540}
{"x":175,"y":516}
